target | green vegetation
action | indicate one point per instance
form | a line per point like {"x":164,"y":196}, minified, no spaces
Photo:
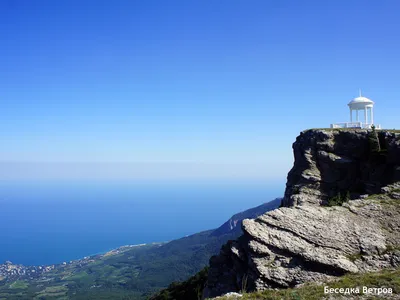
{"x":77,"y":276}
{"x":339,"y":199}
{"x":133,"y":273}
{"x":19,"y":284}
{"x":387,"y":278}
{"x":389,"y":202}
{"x":384,"y":199}
{"x":59,"y":292}
{"x":373,"y":140}
{"x":189,"y":289}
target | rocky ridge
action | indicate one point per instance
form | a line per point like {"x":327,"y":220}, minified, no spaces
{"x":307,"y":241}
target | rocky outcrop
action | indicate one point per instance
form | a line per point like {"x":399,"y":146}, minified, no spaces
{"x":308,"y":241}
{"x":290,"y":246}
{"x":328,"y":162}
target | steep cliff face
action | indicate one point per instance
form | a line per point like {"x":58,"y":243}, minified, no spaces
{"x":308,"y":241}
{"x":328,"y":162}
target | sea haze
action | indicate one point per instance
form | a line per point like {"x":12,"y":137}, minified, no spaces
{"x":55,"y":221}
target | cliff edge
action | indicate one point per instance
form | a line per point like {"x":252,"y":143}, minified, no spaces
{"x":330,"y":162}
{"x":341,"y":215}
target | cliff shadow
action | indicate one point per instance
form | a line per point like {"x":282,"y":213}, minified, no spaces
{"x":365,"y":164}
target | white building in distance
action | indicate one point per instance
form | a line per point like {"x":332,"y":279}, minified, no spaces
{"x":366,"y":106}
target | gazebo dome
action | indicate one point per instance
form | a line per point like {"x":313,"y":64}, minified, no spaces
{"x":360,"y":102}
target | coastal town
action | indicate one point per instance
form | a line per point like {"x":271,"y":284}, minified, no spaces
{"x":11,"y":272}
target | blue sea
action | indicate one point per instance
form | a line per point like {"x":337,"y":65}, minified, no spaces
{"x":54,"y":221}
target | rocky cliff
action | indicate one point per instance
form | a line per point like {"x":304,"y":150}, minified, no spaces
{"x":329,"y":162}
{"x":307,"y":240}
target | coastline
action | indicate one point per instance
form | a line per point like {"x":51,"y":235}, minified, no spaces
{"x":11,"y":271}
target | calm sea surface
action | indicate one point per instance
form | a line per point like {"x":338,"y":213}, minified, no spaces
{"x":52,"y":222}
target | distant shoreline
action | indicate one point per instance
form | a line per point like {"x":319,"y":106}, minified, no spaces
{"x":98,"y":255}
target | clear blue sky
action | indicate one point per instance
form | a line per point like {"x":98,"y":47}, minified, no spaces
{"x":194,"y":88}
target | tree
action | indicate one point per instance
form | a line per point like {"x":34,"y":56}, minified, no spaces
{"x":373,"y":140}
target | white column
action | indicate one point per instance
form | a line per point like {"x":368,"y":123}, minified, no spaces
{"x":366,"y":115}
{"x":351,"y":115}
{"x":357,"y":114}
{"x":372,"y":115}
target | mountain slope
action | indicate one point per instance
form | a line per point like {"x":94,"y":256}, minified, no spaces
{"x":234,"y":223}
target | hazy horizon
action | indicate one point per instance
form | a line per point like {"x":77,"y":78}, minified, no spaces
{"x":148,"y":172}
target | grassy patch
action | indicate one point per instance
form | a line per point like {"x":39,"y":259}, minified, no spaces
{"x":96,"y":263}
{"x":381,"y":198}
{"x":387,"y":278}
{"x":390,"y":202}
{"x":19,"y":284}
{"x":77,"y":276}
{"x":52,"y":291}
{"x":384,"y":200}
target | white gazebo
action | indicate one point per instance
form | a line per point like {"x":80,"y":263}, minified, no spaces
{"x":366,"y":106}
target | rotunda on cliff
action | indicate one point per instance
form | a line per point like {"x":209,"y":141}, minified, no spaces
{"x":366,"y":107}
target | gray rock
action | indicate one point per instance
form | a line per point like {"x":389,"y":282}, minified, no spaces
{"x":231,"y":295}
{"x":290,"y":246}
{"x":328,"y":162}
{"x":395,"y":195}
{"x":306,"y":241}
{"x":396,"y":259}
